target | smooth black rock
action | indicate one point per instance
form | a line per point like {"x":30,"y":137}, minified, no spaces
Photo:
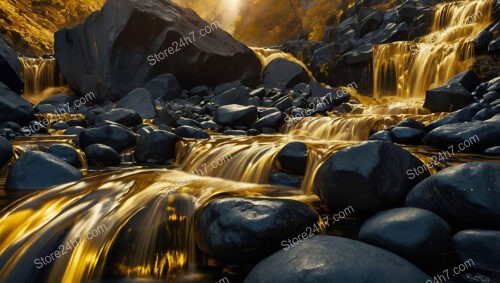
{"x":490,"y":97}
{"x":13,"y":107}
{"x":381,"y":136}
{"x":412,"y":233}
{"x":329,"y":259}
{"x":371,"y":177}
{"x":140,"y":101}
{"x":447,"y":98}
{"x":157,"y":147}
{"x":5,"y":151}
{"x":466,"y":194}
{"x":233,"y":96}
{"x":468,"y":136}
{"x":102,"y":155}
{"x":188,"y":122}
{"x":226,"y":227}
{"x":201,"y":90}
{"x":66,"y":153}
{"x":264,"y":111}
{"x":164,"y":86}
{"x":116,"y":137}
{"x":407,"y":135}
{"x":468,"y":79}
{"x":411,"y":123}
{"x":211,"y":125}
{"x":120,"y":61}
{"x":74,"y":130}
{"x":284,"y":179}
{"x":191,"y":132}
{"x":462,"y":115}
{"x":484,"y":114}
{"x":10,"y":67}
{"x":492,"y":150}
{"x":166,"y":117}
{"x":39,"y":170}
{"x":292,"y":158}
{"x":371,"y":22}
{"x":283,"y":74}
{"x":274,"y":120}
{"x":126,"y":117}
{"x":60,"y":126}
{"x":479,"y":248}
{"x":235,"y":115}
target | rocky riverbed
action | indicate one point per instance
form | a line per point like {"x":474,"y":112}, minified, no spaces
{"x":176,"y":153}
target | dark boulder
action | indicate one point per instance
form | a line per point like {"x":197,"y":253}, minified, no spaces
{"x":10,"y":67}
{"x":468,"y":136}
{"x":138,"y":100}
{"x":126,"y":117}
{"x":238,"y":95}
{"x":468,"y":79}
{"x":447,"y":98}
{"x":66,"y":153}
{"x":492,"y":150}
{"x":191,"y":132}
{"x":283,"y":74}
{"x":479,"y":248}
{"x":59,"y":126}
{"x":329,"y":259}
{"x":102,"y":155}
{"x":411,"y":123}
{"x":167,"y":117}
{"x":39,"y":170}
{"x":227,"y":227}
{"x":114,"y":136}
{"x":74,"y":130}
{"x":156,"y":148}
{"x":146,"y":43}
{"x":466,"y":194}
{"x":13,"y":107}
{"x":371,"y":177}
{"x":285,"y":179}
{"x":407,"y":135}
{"x":413,"y":233}
{"x":273,"y":120}
{"x":235,"y":115}
{"x":5,"y":151}
{"x":292,"y":158}
{"x":463,"y":115}
{"x":164,"y":86}
{"x":381,"y":136}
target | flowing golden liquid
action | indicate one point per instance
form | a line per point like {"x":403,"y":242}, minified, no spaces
{"x":40,"y":78}
{"x":408,"y":69}
{"x":152,"y":210}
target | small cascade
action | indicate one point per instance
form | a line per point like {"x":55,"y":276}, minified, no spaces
{"x":408,"y":69}
{"x":139,"y":222}
{"x":40,"y":78}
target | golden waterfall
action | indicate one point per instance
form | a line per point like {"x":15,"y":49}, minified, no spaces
{"x":408,"y":69}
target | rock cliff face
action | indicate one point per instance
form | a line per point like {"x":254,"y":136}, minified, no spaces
{"x":129,"y":42}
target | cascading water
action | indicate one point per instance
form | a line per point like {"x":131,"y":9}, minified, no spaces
{"x":408,"y":69}
{"x":40,"y":78}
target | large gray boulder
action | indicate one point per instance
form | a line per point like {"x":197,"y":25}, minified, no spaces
{"x":466,"y":194}
{"x":115,"y":49}
{"x":10,"y":67}
{"x":328,"y":259}
{"x":243,"y":230}
{"x":39,"y":170}
{"x":372,"y":176}
{"x":13,"y":107}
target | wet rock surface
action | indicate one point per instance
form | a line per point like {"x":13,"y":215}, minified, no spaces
{"x":228,"y":226}
{"x":334,"y":259}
